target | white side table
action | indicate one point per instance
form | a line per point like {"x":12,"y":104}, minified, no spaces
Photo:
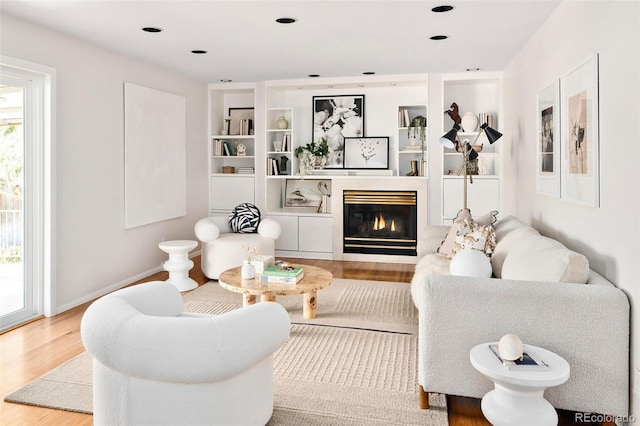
{"x":179,"y":263}
{"x":518,"y":395}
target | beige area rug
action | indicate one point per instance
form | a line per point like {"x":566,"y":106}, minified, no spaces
{"x":346,"y":367}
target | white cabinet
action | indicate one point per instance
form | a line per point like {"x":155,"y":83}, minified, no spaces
{"x":480,"y":94}
{"x":227,"y":192}
{"x":305,"y":236}
{"x":315,"y":234}
{"x":482,"y":196}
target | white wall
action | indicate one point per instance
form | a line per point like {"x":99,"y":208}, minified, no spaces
{"x":94,"y":253}
{"x":610,"y":235}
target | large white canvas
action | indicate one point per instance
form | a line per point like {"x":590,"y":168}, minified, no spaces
{"x":155,"y":179}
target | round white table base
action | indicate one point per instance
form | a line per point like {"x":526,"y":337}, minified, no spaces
{"x":503,"y":407}
{"x":179,"y":263}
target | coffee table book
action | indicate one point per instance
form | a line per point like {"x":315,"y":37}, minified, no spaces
{"x":277,"y":271}
{"x":530,"y":361}
{"x":280,"y":279}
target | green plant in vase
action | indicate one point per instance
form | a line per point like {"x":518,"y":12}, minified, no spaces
{"x":313,"y":155}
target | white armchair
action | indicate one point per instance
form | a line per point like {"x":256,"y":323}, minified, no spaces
{"x":222,"y":249}
{"x":154,"y":365}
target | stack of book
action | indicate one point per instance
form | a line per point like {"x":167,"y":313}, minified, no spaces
{"x":246,"y":170}
{"x":282,"y":275}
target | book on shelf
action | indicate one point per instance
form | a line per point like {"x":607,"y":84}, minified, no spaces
{"x":406,"y":118}
{"x":278,"y":279}
{"x":227,"y":150}
{"x":530,"y":360}
{"x":281,"y":269}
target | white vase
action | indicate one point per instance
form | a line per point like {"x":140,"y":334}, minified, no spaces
{"x":248,"y":271}
{"x":469,"y":122}
{"x":282,"y":123}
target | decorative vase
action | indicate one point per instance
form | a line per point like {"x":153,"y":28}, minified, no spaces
{"x":317,"y":163}
{"x":469,"y":122}
{"x":248,"y":271}
{"x":282,"y":123}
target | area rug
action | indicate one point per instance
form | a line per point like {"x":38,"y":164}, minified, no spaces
{"x":331,"y":371}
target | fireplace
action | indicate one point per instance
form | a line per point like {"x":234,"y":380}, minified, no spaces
{"x":380,"y":222}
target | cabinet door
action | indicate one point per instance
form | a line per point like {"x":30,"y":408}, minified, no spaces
{"x":316,"y":234}
{"x":289,"y":236}
{"x":228,"y":192}
{"x":482,"y":196}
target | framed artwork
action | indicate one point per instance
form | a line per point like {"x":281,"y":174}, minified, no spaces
{"x":580,"y":175}
{"x":366,"y":152}
{"x":241,"y":121}
{"x":337,"y":117}
{"x":305,"y":192}
{"x":548,"y":141}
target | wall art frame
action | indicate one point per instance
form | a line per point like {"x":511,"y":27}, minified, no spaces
{"x":305,"y":192}
{"x":580,"y":141}
{"x":336,"y":117}
{"x":548,"y":140}
{"x":370,"y":152}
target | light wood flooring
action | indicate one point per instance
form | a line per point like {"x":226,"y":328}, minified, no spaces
{"x":29,"y":351}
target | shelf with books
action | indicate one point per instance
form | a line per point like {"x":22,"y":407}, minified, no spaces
{"x":412,"y":140}
{"x":279,"y":135}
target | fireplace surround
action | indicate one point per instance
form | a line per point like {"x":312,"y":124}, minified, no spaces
{"x":380,"y":222}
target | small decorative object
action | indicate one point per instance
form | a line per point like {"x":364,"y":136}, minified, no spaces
{"x":282,"y":123}
{"x":510,"y":347}
{"x":228,"y":169}
{"x":248,"y":271}
{"x":470,"y":262}
{"x":469,"y":122}
{"x":241,"y":149}
{"x":283,"y":163}
{"x":414,"y":168}
{"x":277,"y":146}
{"x":313,"y":155}
{"x":227,"y":125}
{"x":454,"y":114}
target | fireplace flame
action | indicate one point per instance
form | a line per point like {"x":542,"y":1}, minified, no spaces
{"x":393,"y":226}
{"x":379,"y":223}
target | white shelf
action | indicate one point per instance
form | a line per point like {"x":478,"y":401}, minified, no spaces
{"x":233,"y":137}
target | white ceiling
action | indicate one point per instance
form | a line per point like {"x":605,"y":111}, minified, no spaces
{"x":332,"y":38}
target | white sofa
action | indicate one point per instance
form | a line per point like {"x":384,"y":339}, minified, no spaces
{"x":223,"y":249}
{"x":587,"y":324}
{"x":154,"y":365}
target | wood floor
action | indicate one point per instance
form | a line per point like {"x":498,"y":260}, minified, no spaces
{"x":29,"y":351}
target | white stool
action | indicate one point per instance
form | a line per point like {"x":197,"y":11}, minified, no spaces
{"x":179,"y":263}
{"x":518,"y":395}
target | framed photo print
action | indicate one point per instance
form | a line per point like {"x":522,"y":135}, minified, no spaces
{"x":241,"y":121}
{"x":580,"y":175}
{"x":548,"y":146}
{"x":335,"y":118}
{"x":305,"y":192}
{"x":366,"y":152}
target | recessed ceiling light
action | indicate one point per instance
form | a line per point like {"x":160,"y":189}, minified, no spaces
{"x":368,"y":73}
{"x":285,"y":20}
{"x":152,"y":29}
{"x":473,"y":69}
{"x":443,"y":8}
{"x":314,"y":75}
{"x":226,"y":80}
{"x":438,"y":37}
{"x":199,"y":52}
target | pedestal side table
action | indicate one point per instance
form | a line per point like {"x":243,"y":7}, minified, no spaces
{"x":518,"y":395}
{"x":179,"y":263}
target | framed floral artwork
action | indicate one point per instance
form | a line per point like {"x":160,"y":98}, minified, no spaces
{"x":335,"y":118}
{"x":580,"y":145}
{"x":366,"y":153}
{"x":548,"y":141}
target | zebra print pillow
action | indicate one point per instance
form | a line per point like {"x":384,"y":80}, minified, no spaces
{"x":245,"y":219}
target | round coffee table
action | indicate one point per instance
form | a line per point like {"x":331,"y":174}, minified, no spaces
{"x":518,"y":395}
{"x":314,"y":279}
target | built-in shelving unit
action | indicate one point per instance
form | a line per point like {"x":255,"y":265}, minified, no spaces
{"x":410,"y":146}
{"x":480,"y":94}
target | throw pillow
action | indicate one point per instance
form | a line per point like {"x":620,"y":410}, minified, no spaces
{"x":475,"y":236}
{"x":447,"y":245}
{"x":244,"y":219}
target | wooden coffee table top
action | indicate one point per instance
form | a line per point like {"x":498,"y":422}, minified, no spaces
{"x":314,"y":279}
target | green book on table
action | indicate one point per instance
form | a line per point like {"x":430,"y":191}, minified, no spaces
{"x":279,"y":271}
